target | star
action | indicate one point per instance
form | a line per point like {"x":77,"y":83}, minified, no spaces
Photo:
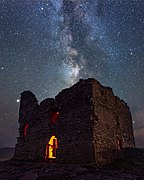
{"x":47,"y":46}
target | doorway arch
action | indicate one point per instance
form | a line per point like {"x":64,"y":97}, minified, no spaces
{"x":51,"y":146}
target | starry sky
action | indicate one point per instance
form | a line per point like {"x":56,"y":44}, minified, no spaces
{"x":48,"y":45}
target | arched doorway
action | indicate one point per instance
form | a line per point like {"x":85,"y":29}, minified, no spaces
{"x":52,"y":145}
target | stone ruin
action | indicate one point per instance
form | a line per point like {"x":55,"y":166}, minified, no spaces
{"x":85,"y":123}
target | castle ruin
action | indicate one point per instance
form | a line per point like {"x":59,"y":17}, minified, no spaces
{"x":85,"y":123}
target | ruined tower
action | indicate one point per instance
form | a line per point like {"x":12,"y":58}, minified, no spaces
{"x":85,"y":123}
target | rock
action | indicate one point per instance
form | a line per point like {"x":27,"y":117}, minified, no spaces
{"x":29,"y":176}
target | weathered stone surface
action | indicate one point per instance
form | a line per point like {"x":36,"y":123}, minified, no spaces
{"x":91,"y":125}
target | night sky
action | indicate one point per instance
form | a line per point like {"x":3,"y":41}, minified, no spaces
{"x":48,"y":45}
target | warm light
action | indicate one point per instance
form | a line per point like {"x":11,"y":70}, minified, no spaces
{"x":25,"y":129}
{"x":51,"y":147}
{"x":55,"y":117}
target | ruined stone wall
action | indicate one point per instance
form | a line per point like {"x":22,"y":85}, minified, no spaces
{"x":125,"y":123}
{"x":112,"y":123}
{"x":31,"y":146}
{"x":46,"y":110}
{"x":74,"y":124}
{"x":28,"y":114}
{"x":91,"y":122}
{"x":104,"y":128}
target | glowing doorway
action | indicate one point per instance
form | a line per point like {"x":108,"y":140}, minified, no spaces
{"x":51,"y":147}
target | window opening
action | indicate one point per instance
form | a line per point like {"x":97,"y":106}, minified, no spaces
{"x":117,"y":121}
{"x":51,"y":146}
{"x":55,"y":117}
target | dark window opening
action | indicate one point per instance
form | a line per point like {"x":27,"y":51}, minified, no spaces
{"x":102,"y":92}
{"x":117,"y":121}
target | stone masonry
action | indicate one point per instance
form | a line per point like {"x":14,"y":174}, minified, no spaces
{"x":89,"y":123}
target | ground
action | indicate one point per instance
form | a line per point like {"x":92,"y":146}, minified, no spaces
{"x":131,"y":166}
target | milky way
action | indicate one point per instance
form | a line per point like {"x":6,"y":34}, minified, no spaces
{"x":48,"y":45}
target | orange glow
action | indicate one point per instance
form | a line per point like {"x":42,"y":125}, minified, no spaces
{"x":51,"y":147}
{"x":25,"y":129}
{"x":55,"y":117}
